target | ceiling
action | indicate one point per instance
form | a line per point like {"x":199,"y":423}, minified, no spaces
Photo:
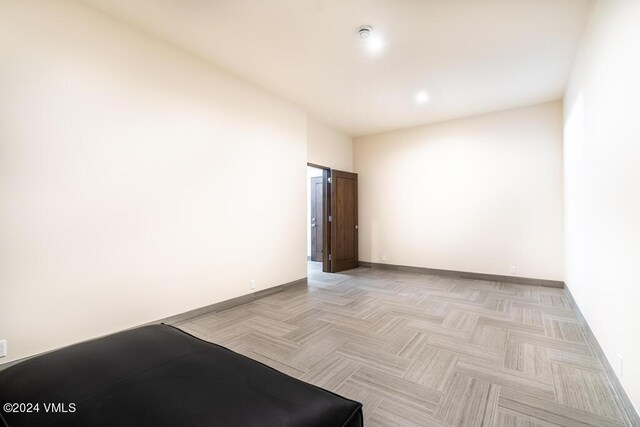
{"x":471,"y":56}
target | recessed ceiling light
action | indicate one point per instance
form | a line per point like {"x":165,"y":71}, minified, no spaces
{"x":373,"y":41}
{"x":422,"y":97}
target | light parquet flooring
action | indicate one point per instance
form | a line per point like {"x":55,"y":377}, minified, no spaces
{"x":423,"y":350}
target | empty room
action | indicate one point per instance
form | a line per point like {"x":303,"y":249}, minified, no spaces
{"x":320,"y":213}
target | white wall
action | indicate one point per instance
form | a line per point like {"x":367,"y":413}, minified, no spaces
{"x":478,"y":194}
{"x":134,"y":179}
{"x":329,"y":147}
{"x":602,"y":184}
{"x":326,"y":147}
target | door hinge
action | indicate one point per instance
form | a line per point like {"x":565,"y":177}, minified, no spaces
{"x":330,"y":258}
{"x":329,"y":180}
{"x":329,"y":218}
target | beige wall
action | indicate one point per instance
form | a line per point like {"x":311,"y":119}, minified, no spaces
{"x":133,"y":179}
{"x":602,"y":184}
{"x":479,"y":194}
{"x":329,"y":147}
{"x":326,"y":147}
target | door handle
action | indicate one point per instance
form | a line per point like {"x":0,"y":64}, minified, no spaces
{"x":356,"y":227}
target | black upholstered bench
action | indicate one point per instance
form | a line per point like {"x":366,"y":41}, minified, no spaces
{"x":160,"y":376}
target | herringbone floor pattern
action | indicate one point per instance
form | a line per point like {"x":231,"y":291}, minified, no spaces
{"x":426,"y":350}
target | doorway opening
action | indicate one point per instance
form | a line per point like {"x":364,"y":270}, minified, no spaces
{"x":317,"y":218}
{"x":332,"y":219}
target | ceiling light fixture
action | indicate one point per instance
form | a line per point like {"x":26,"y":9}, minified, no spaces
{"x":422,"y":97}
{"x":373,"y":41}
{"x":365,"y":31}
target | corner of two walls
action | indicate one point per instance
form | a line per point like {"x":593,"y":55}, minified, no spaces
{"x":326,"y":147}
{"x":602,"y":178}
{"x":329,"y":147}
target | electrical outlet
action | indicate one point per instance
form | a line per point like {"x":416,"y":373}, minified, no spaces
{"x":513,"y":269}
{"x":3,"y":348}
{"x":252,"y":284}
{"x":384,"y":257}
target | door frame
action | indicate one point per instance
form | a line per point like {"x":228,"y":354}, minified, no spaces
{"x":326,"y":211}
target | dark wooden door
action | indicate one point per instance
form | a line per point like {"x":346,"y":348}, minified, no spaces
{"x":317,"y":223}
{"x":344,"y":220}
